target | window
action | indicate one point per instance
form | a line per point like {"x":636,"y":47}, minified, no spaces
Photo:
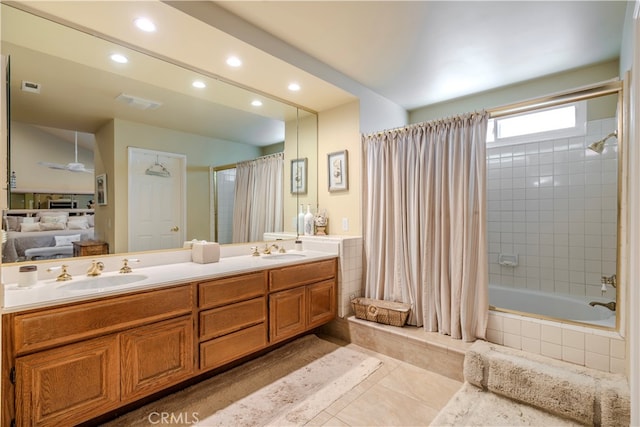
{"x":549,"y":123}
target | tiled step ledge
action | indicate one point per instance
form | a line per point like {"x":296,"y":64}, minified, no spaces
{"x":428,"y":350}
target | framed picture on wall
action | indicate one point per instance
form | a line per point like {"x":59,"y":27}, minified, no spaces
{"x":299,"y":176}
{"x":101,"y":189}
{"x":338,"y":164}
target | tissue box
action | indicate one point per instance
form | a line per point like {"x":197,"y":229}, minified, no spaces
{"x":205,"y":252}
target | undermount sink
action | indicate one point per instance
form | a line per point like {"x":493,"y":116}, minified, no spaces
{"x":283,"y":256}
{"x":101,"y":282}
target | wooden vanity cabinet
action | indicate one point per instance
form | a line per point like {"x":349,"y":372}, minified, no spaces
{"x":76,"y":362}
{"x":232,"y":318}
{"x":302,"y":297}
{"x":71,"y":363}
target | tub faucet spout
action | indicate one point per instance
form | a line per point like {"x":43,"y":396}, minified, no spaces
{"x":610,"y":305}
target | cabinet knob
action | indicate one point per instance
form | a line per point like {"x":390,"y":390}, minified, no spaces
{"x":176,"y":228}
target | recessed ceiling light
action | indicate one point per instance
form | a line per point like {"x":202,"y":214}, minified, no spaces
{"x":120,"y":59}
{"x":145,"y":25}
{"x":294,"y":87}
{"x":199,"y":84}
{"x":234,"y":61}
{"x":256,"y":103}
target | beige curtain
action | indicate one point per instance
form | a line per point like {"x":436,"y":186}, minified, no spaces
{"x":258,"y":198}
{"x":425,"y":223}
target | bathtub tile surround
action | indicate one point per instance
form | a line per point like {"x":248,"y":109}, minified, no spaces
{"x":594,"y":348}
{"x":554,"y":204}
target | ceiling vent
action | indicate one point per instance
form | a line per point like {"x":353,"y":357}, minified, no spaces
{"x":30,"y":87}
{"x":137,"y":102}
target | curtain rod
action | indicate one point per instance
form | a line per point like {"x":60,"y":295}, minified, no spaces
{"x":579,"y":94}
{"x":268,"y":156}
{"x":585,"y":92}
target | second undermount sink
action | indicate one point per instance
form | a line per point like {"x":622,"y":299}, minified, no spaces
{"x":287,"y":255}
{"x":101,"y":282}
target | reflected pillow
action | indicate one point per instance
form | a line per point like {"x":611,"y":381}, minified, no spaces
{"x":67,"y":240}
{"x":27,"y":226}
{"x":12,"y":223}
{"x":46,"y":226}
{"x":42,"y":214}
{"x":77,"y":224}
{"x":50,"y":219}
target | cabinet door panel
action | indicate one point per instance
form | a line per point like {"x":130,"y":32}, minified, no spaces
{"x":321,"y":303}
{"x":286,"y":314}
{"x":156,"y":356}
{"x":223,"y":320}
{"x":69,"y":384}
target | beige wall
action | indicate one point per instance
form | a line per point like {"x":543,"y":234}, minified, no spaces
{"x":339,"y":129}
{"x":30,"y":145}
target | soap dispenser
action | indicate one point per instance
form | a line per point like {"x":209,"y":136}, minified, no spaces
{"x":308,"y":222}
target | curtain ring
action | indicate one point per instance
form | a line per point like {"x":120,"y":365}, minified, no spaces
{"x":372,"y":310}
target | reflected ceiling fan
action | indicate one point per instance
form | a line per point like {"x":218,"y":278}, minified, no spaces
{"x":72,"y":166}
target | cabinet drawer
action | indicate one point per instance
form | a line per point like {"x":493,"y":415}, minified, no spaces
{"x":225,"y":349}
{"x":223,"y":320}
{"x":48,"y":328}
{"x":297,"y":275}
{"x":224,"y":291}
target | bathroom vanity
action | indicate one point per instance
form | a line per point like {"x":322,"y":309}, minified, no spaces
{"x":68,"y":363}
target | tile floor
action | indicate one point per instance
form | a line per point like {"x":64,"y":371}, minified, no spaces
{"x":397,"y":394}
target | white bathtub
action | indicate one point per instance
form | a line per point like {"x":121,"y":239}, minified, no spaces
{"x":551,"y":305}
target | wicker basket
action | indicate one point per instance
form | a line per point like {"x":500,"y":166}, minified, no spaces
{"x":387,"y":312}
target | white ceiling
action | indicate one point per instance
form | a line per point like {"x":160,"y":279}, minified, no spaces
{"x":417,"y":53}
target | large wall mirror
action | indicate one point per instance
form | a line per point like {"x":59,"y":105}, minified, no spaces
{"x":71,"y":105}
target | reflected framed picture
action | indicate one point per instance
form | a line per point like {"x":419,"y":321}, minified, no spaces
{"x":299,"y":176}
{"x":101,"y":189}
{"x":338,"y":164}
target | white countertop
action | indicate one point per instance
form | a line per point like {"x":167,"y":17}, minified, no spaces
{"x":46,"y":293}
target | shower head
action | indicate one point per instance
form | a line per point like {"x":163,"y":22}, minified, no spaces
{"x":598,"y":146}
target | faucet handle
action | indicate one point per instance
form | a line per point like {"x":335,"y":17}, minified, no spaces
{"x":64,"y":275}
{"x":125,"y":267}
{"x":254,"y":251}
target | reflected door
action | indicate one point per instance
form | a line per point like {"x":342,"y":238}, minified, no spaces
{"x":157,"y":200}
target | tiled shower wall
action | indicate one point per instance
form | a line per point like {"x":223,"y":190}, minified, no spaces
{"x":554,"y":204}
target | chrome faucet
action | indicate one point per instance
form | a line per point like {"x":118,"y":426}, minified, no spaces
{"x":611,"y":280}
{"x":610,"y":305}
{"x":95,"y":269}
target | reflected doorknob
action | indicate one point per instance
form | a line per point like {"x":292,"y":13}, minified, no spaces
{"x":176,"y":228}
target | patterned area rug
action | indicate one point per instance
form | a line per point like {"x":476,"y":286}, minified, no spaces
{"x":288,"y":386}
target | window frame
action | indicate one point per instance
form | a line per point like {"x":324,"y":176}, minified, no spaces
{"x":579,"y":129}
